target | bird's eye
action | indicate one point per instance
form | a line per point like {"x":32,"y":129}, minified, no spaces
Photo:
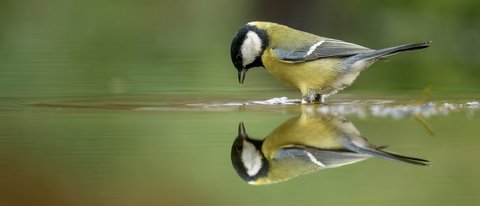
{"x":238,"y":57}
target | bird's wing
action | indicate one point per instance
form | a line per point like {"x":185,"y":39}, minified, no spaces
{"x":320,"y":49}
{"x":321,"y":157}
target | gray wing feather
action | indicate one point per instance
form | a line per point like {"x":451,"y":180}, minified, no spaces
{"x":327,"y":158}
{"x":321,"y":49}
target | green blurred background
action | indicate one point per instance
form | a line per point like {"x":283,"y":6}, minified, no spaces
{"x":73,"y":72}
{"x":67,"y":47}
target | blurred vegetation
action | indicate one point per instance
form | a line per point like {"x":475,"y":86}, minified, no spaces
{"x":102,"y":47}
{"x":153,"y":49}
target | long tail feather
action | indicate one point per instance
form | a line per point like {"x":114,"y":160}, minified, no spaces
{"x":392,"y":156}
{"x":382,"y":53}
{"x":366,"y":148}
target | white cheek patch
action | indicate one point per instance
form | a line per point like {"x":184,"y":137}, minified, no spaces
{"x":251,"y":48}
{"x":251,"y":158}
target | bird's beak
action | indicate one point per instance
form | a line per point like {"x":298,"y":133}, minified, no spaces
{"x":241,"y":130}
{"x":241,"y":75}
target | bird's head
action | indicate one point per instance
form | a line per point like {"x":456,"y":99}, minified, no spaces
{"x":247,"y":48}
{"x":247,"y":157}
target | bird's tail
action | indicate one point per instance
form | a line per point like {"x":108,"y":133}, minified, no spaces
{"x":383,"y":53}
{"x":364,"y":147}
{"x":376,"y":152}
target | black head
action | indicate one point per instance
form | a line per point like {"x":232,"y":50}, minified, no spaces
{"x":247,"y":158}
{"x":247,"y":49}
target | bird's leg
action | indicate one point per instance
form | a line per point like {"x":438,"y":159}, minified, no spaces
{"x":312,"y":97}
{"x":308,"y":98}
{"x":320,"y":98}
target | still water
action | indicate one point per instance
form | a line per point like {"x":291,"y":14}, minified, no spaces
{"x":135,"y":150}
{"x":137,"y":103}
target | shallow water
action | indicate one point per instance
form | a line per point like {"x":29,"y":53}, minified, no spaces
{"x":138,"y":150}
{"x":138,"y":103}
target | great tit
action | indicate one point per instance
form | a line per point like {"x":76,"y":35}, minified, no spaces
{"x":316,"y":65}
{"x":303,"y":145}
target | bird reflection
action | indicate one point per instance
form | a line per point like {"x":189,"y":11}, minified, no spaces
{"x":302,"y":145}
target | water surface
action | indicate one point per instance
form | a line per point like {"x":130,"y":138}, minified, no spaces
{"x":143,"y":150}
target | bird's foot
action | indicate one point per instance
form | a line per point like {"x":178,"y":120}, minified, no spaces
{"x":313,"y":99}
{"x":308,"y":99}
{"x":320,"y":98}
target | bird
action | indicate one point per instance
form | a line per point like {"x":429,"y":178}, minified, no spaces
{"x":317,"y":66}
{"x":302,"y":145}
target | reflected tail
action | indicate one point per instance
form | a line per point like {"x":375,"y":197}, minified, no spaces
{"x":391,"y":156}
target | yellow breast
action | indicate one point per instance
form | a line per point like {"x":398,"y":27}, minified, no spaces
{"x":316,"y":75}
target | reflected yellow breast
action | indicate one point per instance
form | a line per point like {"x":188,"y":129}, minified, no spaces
{"x":320,"y":133}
